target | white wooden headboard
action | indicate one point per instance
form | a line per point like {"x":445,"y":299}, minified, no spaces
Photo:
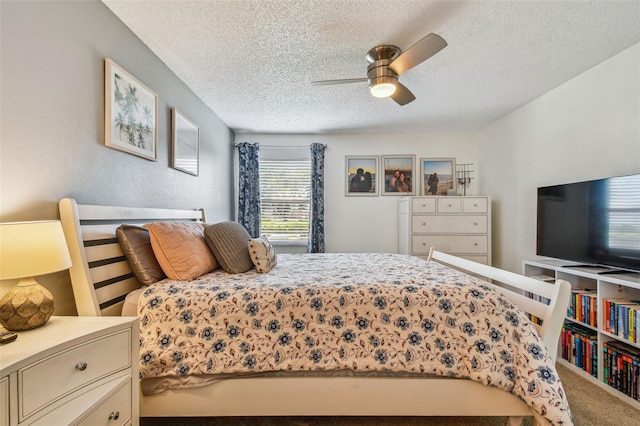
{"x":100,"y":275}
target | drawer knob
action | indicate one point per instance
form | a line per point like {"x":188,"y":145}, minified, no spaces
{"x":81,"y":366}
{"x":475,"y":223}
{"x":114,"y":416}
{"x":424,"y":224}
{"x":475,"y":244}
{"x":449,"y":205}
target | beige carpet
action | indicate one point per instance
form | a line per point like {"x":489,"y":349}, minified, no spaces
{"x":590,"y":406}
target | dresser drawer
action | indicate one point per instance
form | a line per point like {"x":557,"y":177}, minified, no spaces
{"x":475,"y":205}
{"x":50,"y":379}
{"x":450,"y":224}
{"x":424,"y":205}
{"x":449,"y":205}
{"x":453,"y":244}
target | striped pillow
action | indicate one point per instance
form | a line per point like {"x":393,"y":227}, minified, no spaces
{"x":228,"y":242}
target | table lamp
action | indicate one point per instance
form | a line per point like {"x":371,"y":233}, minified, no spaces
{"x":28,"y":249}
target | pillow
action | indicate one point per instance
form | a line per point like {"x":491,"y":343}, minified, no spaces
{"x":262,"y":254}
{"x":228,"y":242}
{"x":136,"y":246}
{"x":181,"y":250}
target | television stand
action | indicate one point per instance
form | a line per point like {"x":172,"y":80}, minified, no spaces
{"x":621,"y":272}
{"x":603,"y":285}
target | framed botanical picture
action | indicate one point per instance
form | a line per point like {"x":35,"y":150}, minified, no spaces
{"x":399,"y":175}
{"x":438,"y":176}
{"x":131,"y":113}
{"x":361,"y":171}
{"x":185,"y":143}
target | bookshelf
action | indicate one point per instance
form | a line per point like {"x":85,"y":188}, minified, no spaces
{"x":601,"y":337}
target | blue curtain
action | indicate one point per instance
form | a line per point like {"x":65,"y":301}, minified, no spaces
{"x":316,"y":217}
{"x":249,"y":188}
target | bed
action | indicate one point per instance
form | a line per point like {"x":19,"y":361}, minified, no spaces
{"x":489,"y":368}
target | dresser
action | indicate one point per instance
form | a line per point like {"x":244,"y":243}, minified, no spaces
{"x":72,"y":370}
{"x":456,"y":225}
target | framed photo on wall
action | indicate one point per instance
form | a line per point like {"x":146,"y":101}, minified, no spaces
{"x":361,"y":175}
{"x":399,"y":175}
{"x":131,"y":113}
{"x":438,"y":176}
{"x":185,"y":144}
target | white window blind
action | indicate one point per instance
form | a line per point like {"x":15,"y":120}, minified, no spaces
{"x":624,"y":213}
{"x":285,"y":197}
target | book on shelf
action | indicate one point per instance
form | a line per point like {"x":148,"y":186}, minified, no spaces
{"x":580,"y":347}
{"x":622,"y":318}
{"x":622,"y":367}
{"x":583,"y":306}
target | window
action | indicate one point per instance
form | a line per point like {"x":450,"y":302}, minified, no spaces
{"x":624,"y":213}
{"x":285,"y":195}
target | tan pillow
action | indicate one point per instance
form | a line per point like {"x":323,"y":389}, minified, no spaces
{"x":262,"y":253}
{"x":181,"y":250}
{"x":136,"y":246}
{"x":228,"y":242}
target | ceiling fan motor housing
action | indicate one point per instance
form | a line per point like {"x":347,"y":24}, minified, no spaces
{"x":379,"y":59}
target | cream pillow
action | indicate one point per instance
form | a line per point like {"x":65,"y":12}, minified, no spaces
{"x":262,"y":253}
{"x":181,"y":250}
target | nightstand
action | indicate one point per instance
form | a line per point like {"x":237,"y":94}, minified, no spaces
{"x":72,"y":370}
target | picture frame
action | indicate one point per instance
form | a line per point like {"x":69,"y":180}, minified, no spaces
{"x":185,"y":143}
{"x":131,"y":113}
{"x":399,"y":174}
{"x":444,"y":171}
{"x":361,"y":175}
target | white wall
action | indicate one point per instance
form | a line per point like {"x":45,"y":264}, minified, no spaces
{"x":52,"y":134}
{"x":368,"y":224}
{"x":587,"y":128}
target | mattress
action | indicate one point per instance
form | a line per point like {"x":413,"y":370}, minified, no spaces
{"x":344,"y":314}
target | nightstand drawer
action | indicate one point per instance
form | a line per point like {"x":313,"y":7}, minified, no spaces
{"x":450,"y":224}
{"x":52,"y":378}
{"x":114,"y":411}
{"x":4,"y":402}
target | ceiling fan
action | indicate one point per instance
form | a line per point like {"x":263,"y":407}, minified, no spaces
{"x":387,"y":62}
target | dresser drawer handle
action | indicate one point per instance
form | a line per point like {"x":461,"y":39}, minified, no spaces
{"x":475,"y":223}
{"x":81,"y":366}
{"x":475,"y":244}
{"x":114,"y":416}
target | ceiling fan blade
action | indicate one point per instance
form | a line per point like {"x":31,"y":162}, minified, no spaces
{"x":402,"y":95}
{"x":344,"y":81}
{"x":418,"y":53}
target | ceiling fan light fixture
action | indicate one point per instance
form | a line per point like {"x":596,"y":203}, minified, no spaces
{"x":383,"y":87}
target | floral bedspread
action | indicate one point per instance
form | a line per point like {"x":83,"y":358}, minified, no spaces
{"x":362,"y":312}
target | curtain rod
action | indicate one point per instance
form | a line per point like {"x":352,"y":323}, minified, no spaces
{"x":279,"y":146}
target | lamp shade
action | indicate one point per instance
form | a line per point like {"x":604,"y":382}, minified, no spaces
{"x":29,"y":249}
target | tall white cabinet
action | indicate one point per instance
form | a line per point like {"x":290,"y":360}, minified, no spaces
{"x":454,"y":225}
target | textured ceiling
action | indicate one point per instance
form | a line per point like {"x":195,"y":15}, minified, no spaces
{"x":252,"y":61}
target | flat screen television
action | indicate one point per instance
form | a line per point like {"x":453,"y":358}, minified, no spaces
{"x":594,"y":222}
